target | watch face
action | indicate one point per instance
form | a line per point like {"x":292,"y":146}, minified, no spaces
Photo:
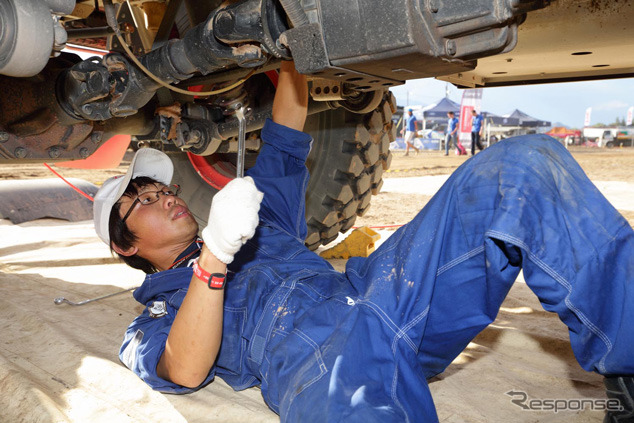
{"x":217,"y":280}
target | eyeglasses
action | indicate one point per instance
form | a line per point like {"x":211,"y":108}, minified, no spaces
{"x":151,"y":197}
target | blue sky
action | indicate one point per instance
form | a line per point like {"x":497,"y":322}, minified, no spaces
{"x":562,"y":102}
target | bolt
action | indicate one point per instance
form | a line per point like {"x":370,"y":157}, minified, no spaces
{"x":433,"y":6}
{"x":19,"y":152}
{"x":87,"y":109}
{"x":96,"y":137}
{"x":4,"y":136}
{"x":194,"y":136}
{"x":54,"y":152}
{"x":84,"y":153}
{"x":450,"y":46}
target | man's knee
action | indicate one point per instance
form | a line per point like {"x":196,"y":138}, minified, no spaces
{"x":533,"y":148}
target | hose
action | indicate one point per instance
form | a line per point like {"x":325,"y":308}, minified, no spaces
{"x":295,"y":12}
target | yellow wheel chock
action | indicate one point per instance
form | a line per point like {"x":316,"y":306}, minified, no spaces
{"x":360,"y":243}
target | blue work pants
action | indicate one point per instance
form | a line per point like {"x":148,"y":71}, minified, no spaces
{"x":437,"y":282}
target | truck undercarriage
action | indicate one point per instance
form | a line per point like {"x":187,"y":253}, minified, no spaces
{"x":178,"y":70}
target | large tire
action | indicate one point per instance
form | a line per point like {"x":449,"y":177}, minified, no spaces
{"x":194,"y":190}
{"x":349,"y":155}
{"x":346,"y":165}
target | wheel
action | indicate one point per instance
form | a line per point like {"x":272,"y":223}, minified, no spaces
{"x":350,"y":153}
{"x":196,"y":191}
{"x":609,"y":144}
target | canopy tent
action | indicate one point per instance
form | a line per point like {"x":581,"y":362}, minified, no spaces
{"x":438,"y":111}
{"x":527,"y":120}
{"x":499,"y":127}
{"x":497,"y":120}
{"x":563,"y":132}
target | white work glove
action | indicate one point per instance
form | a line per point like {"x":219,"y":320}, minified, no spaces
{"x":233,"y":218}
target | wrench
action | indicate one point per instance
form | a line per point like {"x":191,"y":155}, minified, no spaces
{"x":61,"y":300}
{"x":242,"y":129}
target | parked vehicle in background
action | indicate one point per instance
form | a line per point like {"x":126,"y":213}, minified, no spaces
{"x":622,"y":136}
{"x":600,"y":136}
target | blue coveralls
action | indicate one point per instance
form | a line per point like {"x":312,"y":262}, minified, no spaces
{"x":359,"y":345}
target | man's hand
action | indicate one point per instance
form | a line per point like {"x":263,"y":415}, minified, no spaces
{"x":233,"y":218}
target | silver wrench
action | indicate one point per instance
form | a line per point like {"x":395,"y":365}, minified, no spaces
{"x":61,"y":300}
{"x":242,"y":129}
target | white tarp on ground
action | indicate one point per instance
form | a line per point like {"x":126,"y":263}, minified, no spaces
{"x":59,"y":363}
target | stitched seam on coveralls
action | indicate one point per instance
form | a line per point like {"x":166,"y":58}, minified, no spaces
{"x":442,"y":269}
{"x":389,"y":322}
{"x":301,"y":217}
{"x":322,"y":366}
{"x":275,"y":256}
{"x":272,"y":297}
{"x":563,"y":282}
{"x":393,"y":393}
{"x":402,"y":333}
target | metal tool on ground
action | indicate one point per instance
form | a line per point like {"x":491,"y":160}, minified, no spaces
{"x":61,"y":300}
{"x":242,"y":129}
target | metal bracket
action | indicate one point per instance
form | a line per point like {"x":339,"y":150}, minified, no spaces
{"x":326,"y":90}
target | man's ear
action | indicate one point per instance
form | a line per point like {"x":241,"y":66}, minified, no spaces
{"x":127,"y":253}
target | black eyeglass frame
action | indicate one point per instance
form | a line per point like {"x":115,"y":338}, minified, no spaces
{"x":174,"y":192}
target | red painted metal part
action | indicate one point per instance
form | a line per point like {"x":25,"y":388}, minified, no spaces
{"x":217,"y":173}
{"x":209,"y":172}
{"x":107,"y":156}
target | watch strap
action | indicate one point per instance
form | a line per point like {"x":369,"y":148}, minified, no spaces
{"x":213,"y":280}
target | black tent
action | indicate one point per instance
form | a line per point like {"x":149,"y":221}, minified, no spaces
{"x":438,"y":111}
{"x":526,"y":120}
{"x":494,"y":119}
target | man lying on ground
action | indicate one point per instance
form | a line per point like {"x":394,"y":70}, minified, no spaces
{"x":250,"y":304}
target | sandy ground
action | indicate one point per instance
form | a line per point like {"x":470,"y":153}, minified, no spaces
{"x":59,"y":363}
{"x":612,"y":170}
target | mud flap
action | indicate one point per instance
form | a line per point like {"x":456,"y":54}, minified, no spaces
{"x":32,"y":199}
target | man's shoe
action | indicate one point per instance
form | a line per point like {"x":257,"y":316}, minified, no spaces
{"x":620,"y":388}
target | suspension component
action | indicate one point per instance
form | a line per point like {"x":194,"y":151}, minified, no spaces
{"x":113,"y":87}
{"x":228,"y":101}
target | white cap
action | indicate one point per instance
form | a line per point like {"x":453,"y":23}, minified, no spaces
{"x":146,"y":162}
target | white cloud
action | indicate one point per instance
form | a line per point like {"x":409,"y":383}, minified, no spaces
{"x":611,"y":105}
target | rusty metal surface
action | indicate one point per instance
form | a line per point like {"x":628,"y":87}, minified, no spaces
{"x":33,"y":127}
{"x":26,"y":200}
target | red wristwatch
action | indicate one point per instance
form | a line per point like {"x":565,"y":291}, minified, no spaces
{"x":213,"y":280}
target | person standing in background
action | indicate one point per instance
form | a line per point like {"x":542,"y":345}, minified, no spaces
{"x":452,"y":135}
{"x":411,"y":128}
{"x":476,"y":131}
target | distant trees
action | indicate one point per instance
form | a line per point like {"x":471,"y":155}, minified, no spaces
{"x":618,"y":122}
